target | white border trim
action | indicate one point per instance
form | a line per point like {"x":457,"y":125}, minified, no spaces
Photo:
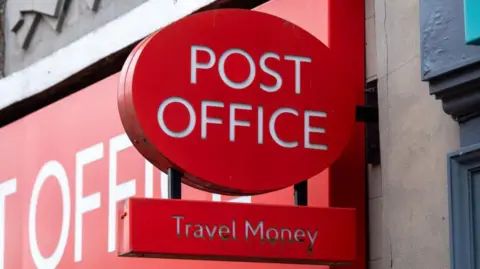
{"x":110,"y":38}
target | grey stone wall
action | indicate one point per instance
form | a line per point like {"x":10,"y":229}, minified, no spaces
{"x":35,"y":33}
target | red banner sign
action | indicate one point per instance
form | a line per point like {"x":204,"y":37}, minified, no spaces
{"x":242,"y":232}
{"x":65,"y":167}
{"x":58,"y":204}
{"x":227,"y":104}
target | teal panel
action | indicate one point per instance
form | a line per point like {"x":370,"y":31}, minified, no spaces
{"x":472,"y":21}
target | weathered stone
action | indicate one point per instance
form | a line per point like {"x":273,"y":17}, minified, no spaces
{"x":40,"y":34}
{"x":415,"y":138}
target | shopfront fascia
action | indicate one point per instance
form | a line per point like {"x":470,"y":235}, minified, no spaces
{"x":65,"y":167}
{"x":451,"y":64}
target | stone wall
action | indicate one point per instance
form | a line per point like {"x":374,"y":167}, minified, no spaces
{"x":416,"y":136}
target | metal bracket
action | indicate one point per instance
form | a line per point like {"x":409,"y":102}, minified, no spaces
{"x":301,"y":193}
{"x":174,"y":184}
{"x":369,"y":115}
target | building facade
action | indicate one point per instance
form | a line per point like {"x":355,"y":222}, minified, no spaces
{"x":425,"y":193}
{"x":60,"y":61}
{"x":409,"y":194}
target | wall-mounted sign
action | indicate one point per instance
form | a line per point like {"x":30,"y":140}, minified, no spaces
{"x":58,"y":205}
{"x":237,"y":109}
{"x":236,"y":232}
{"x":472,"y":21}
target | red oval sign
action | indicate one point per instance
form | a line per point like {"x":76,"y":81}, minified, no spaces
{"x":240,"y":102}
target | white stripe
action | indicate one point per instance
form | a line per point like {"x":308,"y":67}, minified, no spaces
{"x":110,"y":38}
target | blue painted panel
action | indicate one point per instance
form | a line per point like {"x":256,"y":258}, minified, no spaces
{"x":472,"y":21}
{"x":464,"y":207}
{"x":443,"y":47}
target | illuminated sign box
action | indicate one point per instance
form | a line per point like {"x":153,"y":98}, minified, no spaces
{"x":241,"y":105}
{"x":168,"y":228}
{"x":237,"y":112}
{"x":472,"y":21}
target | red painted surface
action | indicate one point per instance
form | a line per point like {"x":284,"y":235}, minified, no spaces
{"x":347,"y":186}
{"x":227,"y":107}
{"x":223,"y":231}
{"x":90,"y":117}
{"x":63,"y":132}
{"x":341,"y":26}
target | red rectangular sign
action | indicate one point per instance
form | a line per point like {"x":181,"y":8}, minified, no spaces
{"x":64,"y":167}
{"x":236,"y":232}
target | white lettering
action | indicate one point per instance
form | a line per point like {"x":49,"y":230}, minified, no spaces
{"x":272,"y":234}
{"x":249,"y":228}
{"x":178,"y":218}
{"x":298,"y":60}
{"x":6,"y":188}
{"x":149,"y":176}
{"x":299,"y":235}
{"x":309,"y":129}
{"x":288,"y":234}
{"x":269,"y":71}
{"x":223,"y":75}
{"x":195,"y":65}
{"x":54,"y":169}
{"x":242,"y":199}
{"x":224,"y":231}
{"x":163,"y":185}
{"x":239,"y":199}
{"x":234,"y":122}
{"x":273,"y":133}
{"x":198,"y":233}
{"x":191,"y":112}
{"x":87,"y":203}
{"x":260,"y":125}
{"x":312,"y":238}
{"x":206,"y":119}
{"x":211,"y":233}
{"x":148,"y":179}
{"x":116,"y":192}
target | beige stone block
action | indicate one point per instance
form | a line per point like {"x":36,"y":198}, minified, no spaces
{"x":380,"y":36}
{"x":371,"y":48}
{"x":377,"y":264}
{"x":417,"y":137}
{"x":397,"y":34}
{"x":369,"y":8}
{"x":402,"y":28}
{"x":384,"y":120}
{"x":375,"y":228}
